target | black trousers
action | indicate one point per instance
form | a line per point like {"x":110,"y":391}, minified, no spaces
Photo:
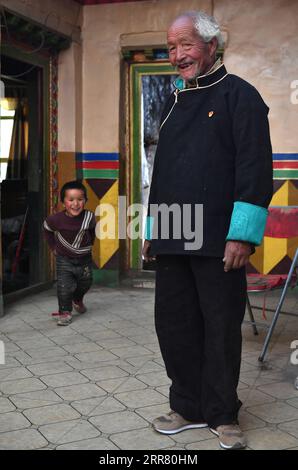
{"x":74,"y":279}
{"x":199,"y":309}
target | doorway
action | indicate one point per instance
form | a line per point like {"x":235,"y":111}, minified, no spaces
{"x":150,"y":86}
{"x":22,"y":175}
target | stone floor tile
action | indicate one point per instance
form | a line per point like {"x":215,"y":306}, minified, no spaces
{"x":250,"y":397}
{"x":51,"y":414}
{"x":277,"y":412}
{"x":291,"y":427}
{"x":73,"y":338}
{"x":64,"y":379}
{"x":10,"y":347}
{"x":155,"y":379}
{"x":104,"y":373}
{"x":24,"y":439}
{"x":256,"y":378}
{"x":12,"y":421}
{"x":96,"y":356}
{"x":82,"y":347}
{"x":79,"y":392}
{"x":118,"y":422}
{"x":131,"y":332}
{"x":101,"y":335}
{"x":281,"y":390}
{"x":6,"y":405}
{"x":47,"y":353}
{"x":140,"y":398}
{"x":130,"y":351}
{"x":83,"y":325}
{"x":69,"y":431}
{"x":80,"y":365}
{"x":115,"y":343}
{"x":248,"y":421}
{"x":123,"y":384}
{"x":47,"y":368}
{"x":141,"y":439}
{"x":140,"y":362}
{"x":208,"y":444}
{"x":293,"y":402}
{"x":164,"y":390}
{"x":35,"y":399}
{"x":14,"y":373}
{"x":269,"y":439}
{"x":10,"y":362}
{"x":11,"y":387}
{"x":40,"y":343}
{"x":149,"y":338}
{"x":98,"y":443}
{"x":98,"y":406}
{"x":154,"y":411}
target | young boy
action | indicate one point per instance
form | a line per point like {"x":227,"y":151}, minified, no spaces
{"x":70,"y":235}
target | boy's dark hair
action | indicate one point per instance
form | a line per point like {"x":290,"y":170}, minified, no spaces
{"x":72,"y":185}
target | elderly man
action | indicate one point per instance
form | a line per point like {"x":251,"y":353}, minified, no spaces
{"x":214,"y":150}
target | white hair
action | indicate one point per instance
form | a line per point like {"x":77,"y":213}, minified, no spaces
{"x":205,"y":25}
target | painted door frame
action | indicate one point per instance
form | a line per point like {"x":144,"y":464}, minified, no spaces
{"x":135,"y":73}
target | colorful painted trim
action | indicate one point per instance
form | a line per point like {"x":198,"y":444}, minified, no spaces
{"x":97,"y":165}
{"x":285,"y":166}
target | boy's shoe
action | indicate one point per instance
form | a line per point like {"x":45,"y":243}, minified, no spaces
{"x":230,"y":436}
{"x":172,"y":423}
{"x":64,"y":319}
{"x":79,"y":306}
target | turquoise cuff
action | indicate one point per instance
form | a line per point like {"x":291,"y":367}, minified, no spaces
{"x":247,"y":223}
{"x":149,"y":228}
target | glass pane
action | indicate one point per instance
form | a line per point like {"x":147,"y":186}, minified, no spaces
{"x":7,"y":112}
{"x":6,"y":126}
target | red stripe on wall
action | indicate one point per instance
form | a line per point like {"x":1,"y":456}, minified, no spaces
{"x":102,"y":165}
{"x":285,"y":164}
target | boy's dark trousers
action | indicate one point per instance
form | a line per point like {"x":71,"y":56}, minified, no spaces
{"x":199,"y":309}
{"x":74,"y":279}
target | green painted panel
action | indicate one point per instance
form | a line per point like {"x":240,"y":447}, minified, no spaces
{"x":106,"y":277}
{"x":285,"y":174}
{"x":98,"y":174}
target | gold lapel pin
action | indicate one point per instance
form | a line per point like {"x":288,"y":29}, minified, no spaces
{"x":210,"y":114}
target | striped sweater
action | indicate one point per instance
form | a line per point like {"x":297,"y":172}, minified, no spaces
{"x":72,"y":237}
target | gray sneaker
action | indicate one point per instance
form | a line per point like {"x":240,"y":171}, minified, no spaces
{"x":230,"y":436}
{"x":64,"y":319}
{"x":172,"y":423}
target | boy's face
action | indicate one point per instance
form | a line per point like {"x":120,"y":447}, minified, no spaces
{"x":74,"y":202}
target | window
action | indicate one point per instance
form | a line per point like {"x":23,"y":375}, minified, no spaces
{"x":7,"y":112}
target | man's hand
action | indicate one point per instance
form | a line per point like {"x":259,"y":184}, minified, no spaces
{"x":146,"y":251}
{"x":236,"y":255}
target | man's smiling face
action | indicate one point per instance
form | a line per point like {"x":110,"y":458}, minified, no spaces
{"x":187,"y":51}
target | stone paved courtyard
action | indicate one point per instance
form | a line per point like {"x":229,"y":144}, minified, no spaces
{"x":98,"y":383}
